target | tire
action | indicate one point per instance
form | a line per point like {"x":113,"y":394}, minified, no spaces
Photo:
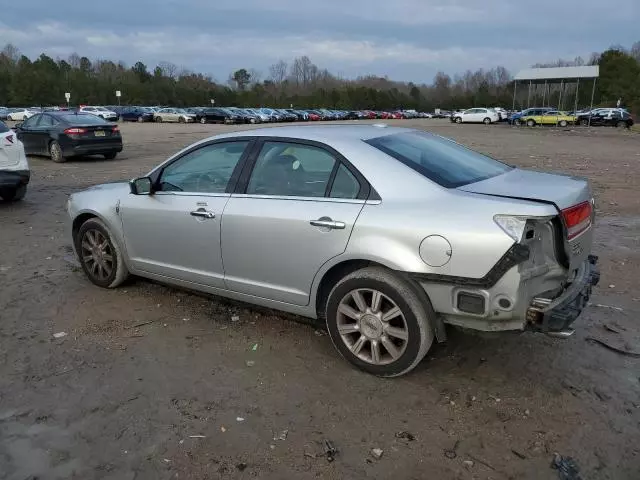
{"x":563,"y":123}
{"x":621,"y":124}
{"x":55,"y":151}
{"x":516,"y":122}
{"x":584,"y":122}
{"x":140,"y":119}
{"x":14,"y":195}
{"x":159,"y":119}
{"x":96,"y":229}
{"x":110,"y":155}
{"x":487,"y":121}
{"x":458,"y":120}
{"x":180,"y":120}
{"x":203,"y":120}
{"x":412,"y":321}
{"x":531,"y":123}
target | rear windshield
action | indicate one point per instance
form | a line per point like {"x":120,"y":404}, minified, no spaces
{"x":3,"y":127}
{"x":81,"y":119}
{"x":439,"y":159}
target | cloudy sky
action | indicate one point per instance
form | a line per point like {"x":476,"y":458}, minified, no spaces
{"x":404,"y":39}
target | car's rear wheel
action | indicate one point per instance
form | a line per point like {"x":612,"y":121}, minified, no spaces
{"x":378,"y":322}
{"x":203,"y":120}
{"x":159,"y":119}
{"x":180,"y":119}
{"x":516,"y":122}
{"x":110,"y":155}
{"x":621,"y":124}
{"x":458,"y":120}
{"x":55,"y":151}
{"x":140,"y":119}
{"x":15,"y":194}
{"x":100,"y":255}
{"x":562,"y":123}
{"x":486,"y":121}
{"x":584,"y":122}
{"x":531,"y":123}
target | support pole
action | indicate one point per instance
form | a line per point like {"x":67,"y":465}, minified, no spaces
{"x":593,"y":93}
{"x":544,"y":92}
{"x":559,"y":99}
{"x":515,"y":86}
{"x":529,"y":95}
{"x":575,"y":110}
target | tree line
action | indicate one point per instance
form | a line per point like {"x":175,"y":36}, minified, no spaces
{"x":44,"y":80}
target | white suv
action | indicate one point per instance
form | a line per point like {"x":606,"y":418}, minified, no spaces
{"x":100,"y":112}
{"x":14,"y":169}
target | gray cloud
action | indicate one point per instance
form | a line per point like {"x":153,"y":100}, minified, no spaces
{"x":404,"y":39}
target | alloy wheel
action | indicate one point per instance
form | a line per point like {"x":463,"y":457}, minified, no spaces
{"x":372,"y":326}
{"x":97,"y":254}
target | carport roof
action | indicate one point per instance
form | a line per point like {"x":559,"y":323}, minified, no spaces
{"x":558,"y":73}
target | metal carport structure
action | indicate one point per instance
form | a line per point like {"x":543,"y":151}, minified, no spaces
{"x":554,"y":75}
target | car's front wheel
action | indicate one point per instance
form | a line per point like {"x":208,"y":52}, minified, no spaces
{"x":562,"y":123}
{"x":622,"y":124}
{"x":531,"y":123}
{"x":486,"y":121}
{"x":100,"y":255}
{"x":458,"y":120}
{"x":203,"y":120}
{"x":378,"y":322}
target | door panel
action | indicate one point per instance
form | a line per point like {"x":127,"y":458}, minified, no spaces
{"x":162,"y":235}
{"x":271,"y":250}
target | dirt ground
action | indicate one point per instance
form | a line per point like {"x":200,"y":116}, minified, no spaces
{"x":156,"y":383}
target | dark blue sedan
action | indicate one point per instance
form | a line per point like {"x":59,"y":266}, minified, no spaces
{"x":137,"y":114}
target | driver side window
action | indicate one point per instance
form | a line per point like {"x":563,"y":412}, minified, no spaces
{"x":31,"y":121}
{"x":205,"y":170}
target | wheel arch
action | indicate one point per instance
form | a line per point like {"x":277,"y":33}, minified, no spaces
{"x":114,"y":228}
{"x":332,"y":274}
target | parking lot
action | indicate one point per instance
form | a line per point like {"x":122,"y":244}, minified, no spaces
{"x":152,"y":382}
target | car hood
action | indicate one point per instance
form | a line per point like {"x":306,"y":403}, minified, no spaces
{"x":110,"y":186}
{"x":562,"y":190}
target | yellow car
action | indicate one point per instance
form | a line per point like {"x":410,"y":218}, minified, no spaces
{"x":552,"y":117}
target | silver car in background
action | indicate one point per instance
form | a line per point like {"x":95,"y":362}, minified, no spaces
{"x":386,"y":234}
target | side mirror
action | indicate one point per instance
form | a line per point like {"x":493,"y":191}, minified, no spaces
{"x":141,"y":186}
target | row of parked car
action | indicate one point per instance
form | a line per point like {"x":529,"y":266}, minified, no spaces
{"x":617,"y":117}
{"x":229,"y":115}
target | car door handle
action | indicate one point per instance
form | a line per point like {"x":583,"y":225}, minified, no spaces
{"x":202,"y":213}
{"x":328,"y":223}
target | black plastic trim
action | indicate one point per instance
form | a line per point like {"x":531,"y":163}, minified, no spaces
{"x":517,"y":254}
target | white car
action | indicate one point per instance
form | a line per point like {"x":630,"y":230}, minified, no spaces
{"x":21,"y":114}
{"x":476,"y":115}
{"x":502,"y":113}
{"x":14,"y":168}
{"x":100,"y":112}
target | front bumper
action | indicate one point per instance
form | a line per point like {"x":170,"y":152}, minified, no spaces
{"x":14,"y":178}
{"x":558,"y":315}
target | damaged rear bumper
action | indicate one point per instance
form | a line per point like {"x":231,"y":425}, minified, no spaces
{"x":555,"y":316}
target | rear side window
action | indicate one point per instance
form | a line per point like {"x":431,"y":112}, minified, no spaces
{"x":3,"y":127}
{"x":82,"y":119}
{"x":441,"y":160}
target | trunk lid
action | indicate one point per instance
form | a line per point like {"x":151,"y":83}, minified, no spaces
{"x":563,"y":191}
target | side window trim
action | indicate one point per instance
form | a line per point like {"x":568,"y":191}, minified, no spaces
{"x":157,"y":173}
{"x":245,"y":175}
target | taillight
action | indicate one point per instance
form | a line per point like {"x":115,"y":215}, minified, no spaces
{"x":577,"y":218}
{"x":75,"y":131}
{"x":115,"y":129}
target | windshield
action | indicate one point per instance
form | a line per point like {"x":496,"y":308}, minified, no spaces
{"x":439,"y":159}
{"x":101,"y":109}
{"x":82,"y":119}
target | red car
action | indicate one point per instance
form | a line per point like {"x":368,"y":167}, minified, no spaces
{"x":314,"y":117}
{"x":385,"y":115}
{"x":397,"y":115}
{"x":370,"y":115}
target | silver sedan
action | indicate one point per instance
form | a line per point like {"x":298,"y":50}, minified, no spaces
{"x":386,"y":234}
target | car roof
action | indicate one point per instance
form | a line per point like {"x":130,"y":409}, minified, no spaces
{"x":322,"y":133}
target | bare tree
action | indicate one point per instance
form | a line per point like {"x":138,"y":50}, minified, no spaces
{"x":278,"y":72}
{"x":169,"y":69}
{"x":11,"y":53}
{"x":256,"y":76}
